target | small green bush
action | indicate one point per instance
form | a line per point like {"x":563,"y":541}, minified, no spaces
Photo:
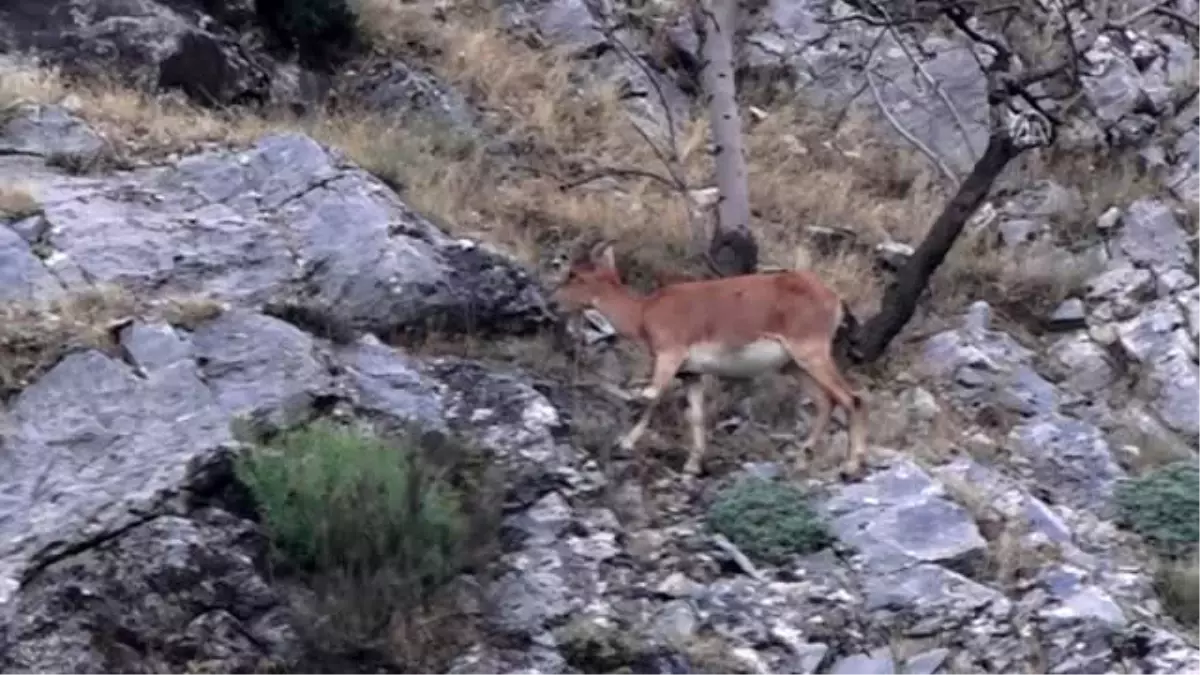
{"x":1163,"y":506}
{"x":375,"y":527}
{"x":768,"y":520}
{"x":336,"y":500}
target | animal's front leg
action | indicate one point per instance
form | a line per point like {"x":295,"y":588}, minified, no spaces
{"x":666,"y":364}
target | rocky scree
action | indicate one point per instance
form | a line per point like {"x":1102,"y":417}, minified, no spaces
{"x":123,"y":552}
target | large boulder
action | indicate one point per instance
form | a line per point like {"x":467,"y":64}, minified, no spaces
{"x":285,"y":224}
{"x":145,"y":43}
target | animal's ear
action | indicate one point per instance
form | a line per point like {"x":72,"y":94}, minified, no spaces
{"x":603,"y":255}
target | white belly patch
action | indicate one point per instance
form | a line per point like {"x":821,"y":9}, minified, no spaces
{"x":749,"y":360}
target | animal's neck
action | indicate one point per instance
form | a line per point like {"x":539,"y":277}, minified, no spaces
{"x":623,"y":309}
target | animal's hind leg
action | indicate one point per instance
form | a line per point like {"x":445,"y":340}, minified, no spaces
{"x":817,"y":424}
{"x":695,"y":418}
{"x":818,"y":363}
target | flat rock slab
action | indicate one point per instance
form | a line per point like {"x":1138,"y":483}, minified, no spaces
{"x":93,"y":448}
{"x":899,"y":517}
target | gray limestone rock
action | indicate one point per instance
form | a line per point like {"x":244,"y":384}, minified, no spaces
{"x":284,"y":224}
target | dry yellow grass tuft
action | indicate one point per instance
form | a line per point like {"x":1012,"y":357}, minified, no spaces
{"x":557,"y":123}
{"x":16,"y":202}
{"x":1026,"y":281}
{"x":137,"y":124}
{"x":186,"y":311}
{"x":35,"y":335}
{"x":801,"y":173}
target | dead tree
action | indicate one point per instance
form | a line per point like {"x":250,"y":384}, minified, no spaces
{"x":1031,"y":55}
{"x":732,"y":249}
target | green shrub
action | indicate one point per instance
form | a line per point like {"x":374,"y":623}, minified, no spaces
{"x":375,"y":527}
{"x":768,"y":520}
{"x":1163,"y":506}
{"x":334,"y":500}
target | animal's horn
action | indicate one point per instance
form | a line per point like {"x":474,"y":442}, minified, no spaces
{"x":597,"y":249}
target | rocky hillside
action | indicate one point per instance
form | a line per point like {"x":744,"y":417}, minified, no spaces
{"x":183,"y":277}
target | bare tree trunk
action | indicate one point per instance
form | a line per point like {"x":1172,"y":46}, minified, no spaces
{"x":900,"y":300}
{"x":732,"y":249}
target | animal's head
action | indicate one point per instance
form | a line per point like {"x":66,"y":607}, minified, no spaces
{"x":587,"y":279}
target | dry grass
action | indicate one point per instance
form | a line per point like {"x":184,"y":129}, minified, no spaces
{"x":1103,"y":180}
{"x":138,"y":125}
{"x":558,"y":123}
{"x":35,"y":335}
{"x":1178,"y":585}
{"x":710,"y":653}
{"x":187,"y":311}
{"x":17,"y":202}
{"x":1011,"y":557}
{"x":1026,"y":281}
{"x":561,"y":126}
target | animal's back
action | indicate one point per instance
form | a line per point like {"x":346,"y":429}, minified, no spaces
{"x":743,"y":308}
{"x":730,"y":326}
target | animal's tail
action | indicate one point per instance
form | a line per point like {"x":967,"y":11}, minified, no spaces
{"x":846,"y":332}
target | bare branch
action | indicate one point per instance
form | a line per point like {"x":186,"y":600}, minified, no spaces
{"x":908,"y":136}
{"x":670,"y":163}
{"x":883,"y":21}
{"x":937,"y":86}
{"x":670,"y":157}
{"x":616,"y":172}
{"x":1184,"y":19}
{"x":662,"y":97}
{"x":738,"y":557}
{"x":1122,"y":24}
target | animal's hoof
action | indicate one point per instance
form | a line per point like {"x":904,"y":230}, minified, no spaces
{"x":852,"y":473}
{"x":691,"y":469}
{"x":646,"y":394}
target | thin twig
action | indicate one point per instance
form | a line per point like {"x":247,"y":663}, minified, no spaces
{"x":908,"y":136}
{"x":844,"y":62}
{"x":615,"y":172}
{"x":1122,"y":24}
{"x":670,"y":158}
{"x":1178,"y":16}
{"x":671,"y":167}
{"x":937,"y":85}
{"x":658,"y":91}
{"x":738,"y":557}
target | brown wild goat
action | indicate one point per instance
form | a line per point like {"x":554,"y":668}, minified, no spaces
{"x":742,"y":327}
